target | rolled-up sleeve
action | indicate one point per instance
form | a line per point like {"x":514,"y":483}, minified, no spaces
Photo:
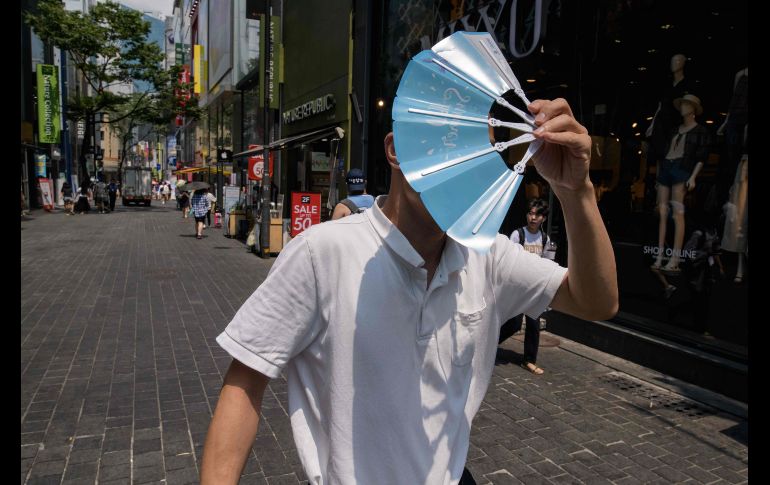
{"x":524,"y":282}
{"x":281,"y":318}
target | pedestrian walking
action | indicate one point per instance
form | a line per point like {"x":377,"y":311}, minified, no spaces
{"x":112,"y":192}
{"x":386,"y":330}
{"x":100,"y":196}
{"x":200,"y":207}
{"x":358,"y":200}
{"x":212,"y":207}
{"x":534,"y":240}
{"x":84,"y":193}
{"x":68,"y":196}
{"x":184,"y":203}
{"x":165,"y":192}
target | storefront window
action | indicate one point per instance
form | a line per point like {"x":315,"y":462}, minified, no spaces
{"x":652,"y":82}
{"x":246,"y":36}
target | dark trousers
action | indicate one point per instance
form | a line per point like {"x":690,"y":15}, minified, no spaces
{"x":112,"y":200}
{"x":208,"y":218}
{"x":531,"y":335}
{"x":467,"y":478}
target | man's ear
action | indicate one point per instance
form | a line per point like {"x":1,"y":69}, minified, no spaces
{"x":390,"y":152}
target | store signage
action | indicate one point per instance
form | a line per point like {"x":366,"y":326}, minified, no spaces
{"x":197,"y":67}
{"x":40,"y":165}
{"x":311,"y":108}
{"x":305,"y":211}
{"x":48,"y":103}
{"x":257,"y":166}
{"x":46,"y":192}
{"x":274,"y":67}
{"x":484,"y":20}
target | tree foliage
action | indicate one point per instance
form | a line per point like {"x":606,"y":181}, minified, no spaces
{"x":108,"y":45}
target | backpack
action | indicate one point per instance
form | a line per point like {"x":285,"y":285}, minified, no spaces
{"x":543,"y":237}
{"x":354,"y":209}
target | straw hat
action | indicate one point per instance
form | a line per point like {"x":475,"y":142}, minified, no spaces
{"x":692,"y":99}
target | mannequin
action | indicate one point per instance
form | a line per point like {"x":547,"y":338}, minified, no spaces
{"x":733,"y":128}
{"x":676,"y":174}
{"x":666,"y":117}
{"x":735,"y":238}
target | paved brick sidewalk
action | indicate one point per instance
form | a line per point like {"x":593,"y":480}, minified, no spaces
{"x":120,"y":373}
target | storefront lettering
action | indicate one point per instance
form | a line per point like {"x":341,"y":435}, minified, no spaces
{"x":311,"y":108}
{"x":534,"y":25}
{"x":681,"y":253}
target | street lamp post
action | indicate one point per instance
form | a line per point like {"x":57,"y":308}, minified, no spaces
{"x":264,"y":233}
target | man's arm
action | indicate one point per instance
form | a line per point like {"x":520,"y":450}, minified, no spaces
{"x":234,"y":425}
{"x":590,"y":288}
{"x":340,"y":211}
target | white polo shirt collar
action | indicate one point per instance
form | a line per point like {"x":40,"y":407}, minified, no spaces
{"x":453,"y":258}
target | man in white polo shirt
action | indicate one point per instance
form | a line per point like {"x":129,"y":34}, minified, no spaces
{"x":386,"y":329}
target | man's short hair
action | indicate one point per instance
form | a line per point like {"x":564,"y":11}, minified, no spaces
{"x":540,"y":206}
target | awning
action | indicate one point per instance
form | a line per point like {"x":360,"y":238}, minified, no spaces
{"x":303,"y":138}
{"x":225,"y":170}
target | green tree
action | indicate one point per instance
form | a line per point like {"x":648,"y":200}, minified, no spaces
{"x":109,"y":46}
{"x":151,"y":112}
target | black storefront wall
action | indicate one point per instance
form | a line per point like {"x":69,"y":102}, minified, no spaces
{"x":611,"y":61}
{"x":315,"y":91}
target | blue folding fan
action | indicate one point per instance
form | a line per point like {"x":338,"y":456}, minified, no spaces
{"x":441,"y":133}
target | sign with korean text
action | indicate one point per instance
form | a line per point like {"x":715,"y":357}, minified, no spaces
{"x":305,"y":211}
{"x":49,"y":123}
{"x":257,"y":166}
{"x":273,"y":62}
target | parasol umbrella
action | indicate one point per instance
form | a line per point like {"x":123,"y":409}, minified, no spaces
{"x":193,"y":186}
{"x":441,"y":126}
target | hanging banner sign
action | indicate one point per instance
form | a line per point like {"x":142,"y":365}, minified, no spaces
{"x":48,"y":120}
{"x":305,"y":211}
{"x":274,"y":66}
{"x":257,"y":166}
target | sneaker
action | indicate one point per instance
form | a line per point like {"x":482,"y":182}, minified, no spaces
{"x":199,"y":236}
{"x":670,"y":289}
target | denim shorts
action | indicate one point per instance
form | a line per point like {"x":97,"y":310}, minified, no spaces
{"x":672,"y":173}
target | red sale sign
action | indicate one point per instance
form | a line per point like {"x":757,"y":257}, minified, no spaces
{"x":305,"y":211}
{"x":257,"y":166}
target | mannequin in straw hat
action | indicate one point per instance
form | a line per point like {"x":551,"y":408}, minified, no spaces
{"x":687,"y":152}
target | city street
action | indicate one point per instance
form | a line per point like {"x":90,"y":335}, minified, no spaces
{"x":120,"y":373}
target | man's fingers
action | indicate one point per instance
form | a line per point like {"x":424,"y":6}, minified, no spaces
{"x":544,"y":109}
{"x":560,"y":123}
{"x":574,"y":141}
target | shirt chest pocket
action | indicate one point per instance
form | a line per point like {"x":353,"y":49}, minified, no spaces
{"x":463,"y":326}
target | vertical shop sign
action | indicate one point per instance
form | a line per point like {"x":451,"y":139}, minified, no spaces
{"x":40,"y":165}
{"x":48,"y":103}
{"x":197,"y":68}
{"x":305,"y":211}
{"x":275,"y":40}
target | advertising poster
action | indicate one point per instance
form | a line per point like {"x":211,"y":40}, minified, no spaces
{"x":231,"y":196}
{"x":46,"y":191}
{"x":257,"y":166}
{"x":305,"y":211}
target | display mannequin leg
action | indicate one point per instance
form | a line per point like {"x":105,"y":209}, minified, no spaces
{"x":663,"y":196}
{"x":741,"y":262}
{"x":677,"y":206}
